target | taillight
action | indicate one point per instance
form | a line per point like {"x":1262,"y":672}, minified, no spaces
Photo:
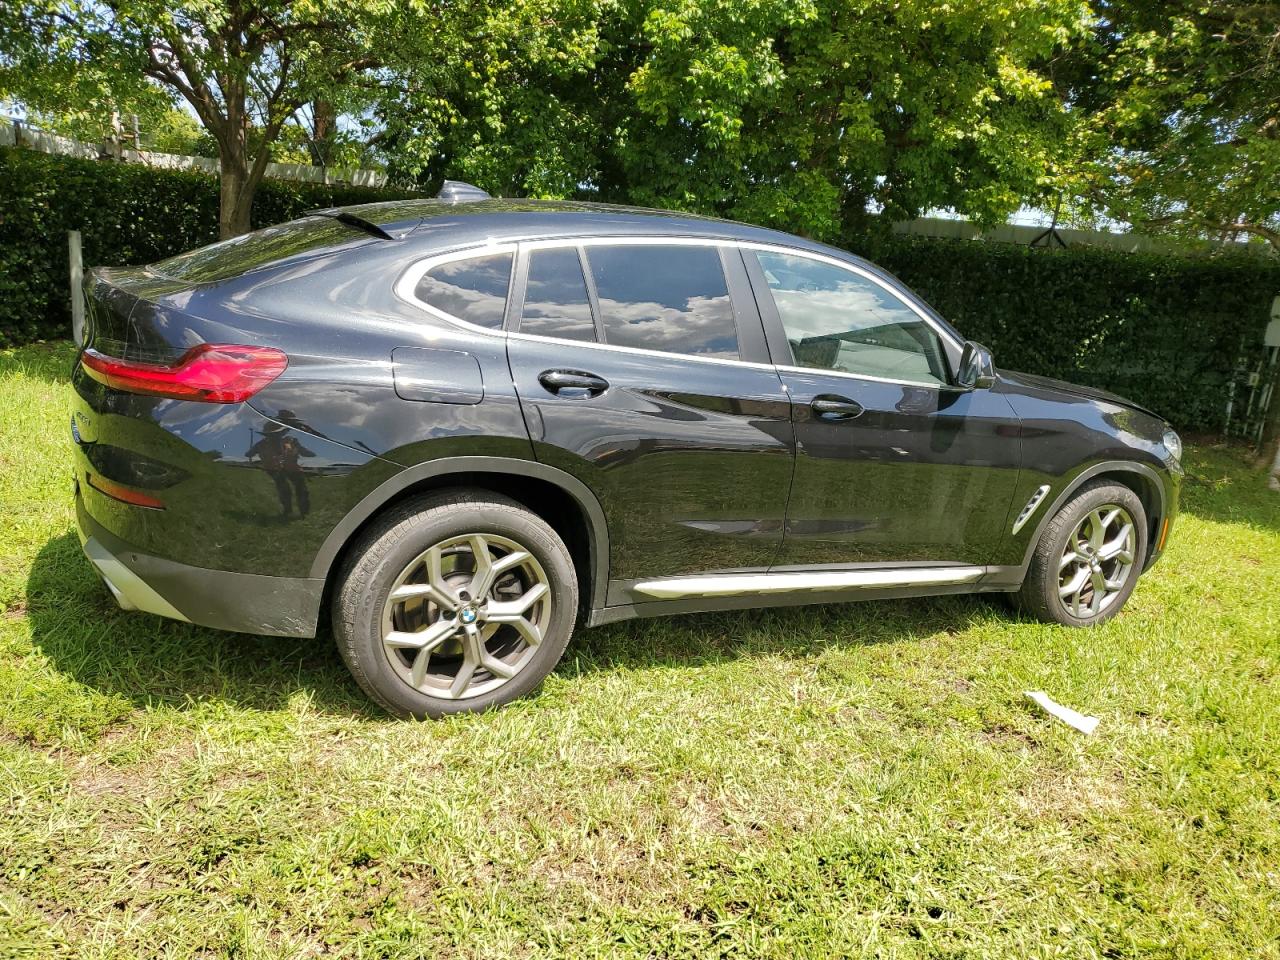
{"x":211,"y":372}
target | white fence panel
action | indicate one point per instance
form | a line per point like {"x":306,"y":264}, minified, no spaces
{"x":16,"y":134}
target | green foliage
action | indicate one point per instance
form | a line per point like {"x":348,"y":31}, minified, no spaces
{"x":176,"y":131}
{"x":127,"y":214}
{"x":1181,"y":101}
{"x":1165,"y":331}
{"x":863,"y":780}
{"x":244,"y":68}
{"x":798,"y":113}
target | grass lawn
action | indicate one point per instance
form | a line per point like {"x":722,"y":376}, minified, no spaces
{"x":829,"y":781}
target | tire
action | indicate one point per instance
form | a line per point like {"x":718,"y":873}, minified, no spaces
{"x":447,"y":532}
{"x":1051,"y":571}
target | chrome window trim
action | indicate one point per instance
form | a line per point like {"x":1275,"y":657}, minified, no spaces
{"x":408,"y":282}
{"x":639,"y":240}
{"x":935,"y":385}
{"x":406,"y":286}
{"x":641,"y":351}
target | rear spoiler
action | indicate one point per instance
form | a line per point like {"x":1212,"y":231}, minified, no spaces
{"x":351,"y":220}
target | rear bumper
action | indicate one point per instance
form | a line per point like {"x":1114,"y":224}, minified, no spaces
{"x":243,"y":602}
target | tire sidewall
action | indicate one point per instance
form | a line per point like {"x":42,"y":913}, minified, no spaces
{"x":398,"y":547}
{"x":1072,"y":514}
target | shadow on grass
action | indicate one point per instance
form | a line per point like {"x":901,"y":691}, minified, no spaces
{"x":150,"y":660}
{"x":797,"y":632}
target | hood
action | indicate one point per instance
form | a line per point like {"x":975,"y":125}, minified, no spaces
{"x":1076,"y":390}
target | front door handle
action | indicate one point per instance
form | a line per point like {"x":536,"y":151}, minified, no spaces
{"x":831,"y":407}
{"x":572,"y":383}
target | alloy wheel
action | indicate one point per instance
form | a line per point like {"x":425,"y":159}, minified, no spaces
{"x":466,"y":616}
{"x":1097,"y":561}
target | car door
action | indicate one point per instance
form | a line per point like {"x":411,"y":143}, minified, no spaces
{"x":641,"y":368}
{"x":893,"y":464}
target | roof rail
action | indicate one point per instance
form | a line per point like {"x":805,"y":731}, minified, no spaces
{"x":458,"y":191}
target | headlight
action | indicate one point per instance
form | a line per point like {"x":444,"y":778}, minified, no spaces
{"x":1173,"y":443}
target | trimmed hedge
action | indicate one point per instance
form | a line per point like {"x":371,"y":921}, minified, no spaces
{"x":1164,"y":330}
{"x":127,"y":214}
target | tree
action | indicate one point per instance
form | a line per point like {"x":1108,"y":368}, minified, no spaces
{"x":505,"y":95}
{"x":244,"y":66}
{"x":800,"y":113}
{"x":1183,"y":100}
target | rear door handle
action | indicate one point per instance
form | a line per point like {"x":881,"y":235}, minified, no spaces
{"x":832,"y":407}
{"x":572,"y":383}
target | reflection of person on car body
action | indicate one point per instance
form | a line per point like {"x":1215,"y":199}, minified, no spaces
{"x":278,"y":451}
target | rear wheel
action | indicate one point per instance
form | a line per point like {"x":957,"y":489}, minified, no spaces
{"x":1088,"y":559}
{"x":454,"y":602}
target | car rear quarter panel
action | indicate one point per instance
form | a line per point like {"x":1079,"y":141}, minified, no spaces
{"x":211,"y":465}
{"x":340,"y":335}
{"x":232,"y":503}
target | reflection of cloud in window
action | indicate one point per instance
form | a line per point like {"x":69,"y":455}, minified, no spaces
{"x":456,"y":300}
{"x":812,"y":313}
{"x":472,"y":290}
{"x":550,"y":318}
{"x":838,"y":321}
{"x":703,"y":326}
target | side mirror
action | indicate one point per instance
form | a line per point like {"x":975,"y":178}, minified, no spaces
{"x":977,"y":371}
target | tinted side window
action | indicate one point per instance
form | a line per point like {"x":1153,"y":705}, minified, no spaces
{"x":671,"y":298}
{"x":838,"y":320}
{"x":474,"y":290}
{"x":555,"y":296}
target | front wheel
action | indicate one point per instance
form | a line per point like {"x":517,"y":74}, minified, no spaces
{"x":454,"y":602}
{"x":1088,"y":559}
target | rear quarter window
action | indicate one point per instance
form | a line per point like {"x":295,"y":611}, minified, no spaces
{"x":261,"y":248}
{"x":474,"y":289}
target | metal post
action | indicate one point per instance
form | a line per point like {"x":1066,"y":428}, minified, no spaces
{"x":77,"y":286}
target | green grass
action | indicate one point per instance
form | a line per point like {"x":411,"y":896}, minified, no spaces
{"x":833,"y":781}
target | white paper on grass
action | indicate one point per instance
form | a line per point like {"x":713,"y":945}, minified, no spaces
{"x":1065,"y":714}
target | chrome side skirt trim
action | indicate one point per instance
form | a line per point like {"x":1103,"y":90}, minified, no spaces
{"x":737,"y":584}
{"x":1037,"y":498}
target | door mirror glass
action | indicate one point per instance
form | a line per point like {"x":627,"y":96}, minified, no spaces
{"x":977,"y":370}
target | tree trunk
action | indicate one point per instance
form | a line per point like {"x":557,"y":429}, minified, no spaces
{"x":240,"y":176}
{"x":324,"y":123}
{"x":236,"y":202}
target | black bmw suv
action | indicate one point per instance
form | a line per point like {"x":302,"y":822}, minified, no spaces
{"x":466,"y":425}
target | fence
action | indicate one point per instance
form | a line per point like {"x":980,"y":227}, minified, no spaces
{"x":17,"y":134}
{"x":955,"y":228}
